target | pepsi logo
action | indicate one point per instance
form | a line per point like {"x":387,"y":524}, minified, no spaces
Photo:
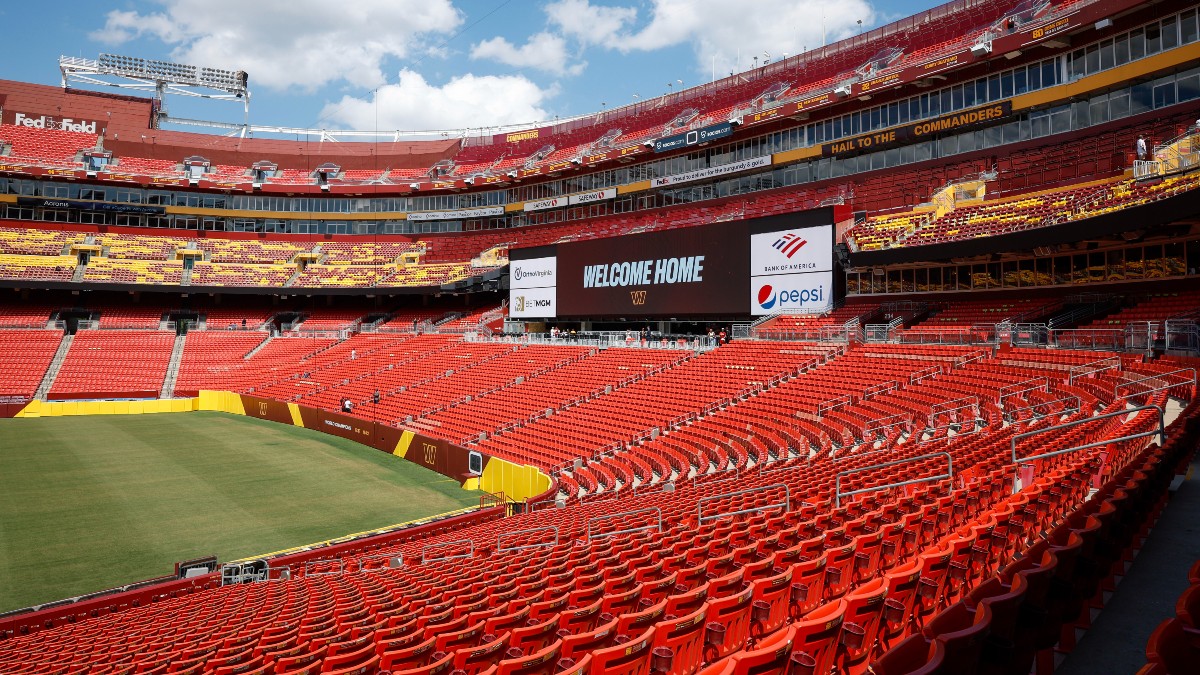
{"x":766,"y":296}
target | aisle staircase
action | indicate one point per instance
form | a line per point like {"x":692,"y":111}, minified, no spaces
{"x":55,"y":364}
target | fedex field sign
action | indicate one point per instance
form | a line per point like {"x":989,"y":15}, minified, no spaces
{"x":47,"y":122}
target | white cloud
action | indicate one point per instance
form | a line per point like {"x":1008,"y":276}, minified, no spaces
{"x":590,"y":24}
{"x":302,"y":44}
{"x":464,"y":101}
{"x":543,"y":51}
{"x":717,"y":29}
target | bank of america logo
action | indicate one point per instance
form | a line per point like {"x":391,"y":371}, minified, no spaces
{"x":789,"y":244}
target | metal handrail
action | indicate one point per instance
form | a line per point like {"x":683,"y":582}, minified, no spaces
{"x":877,"y":424}
{"x":977,"y":424}
{"x":1045,"y":383}
{"x":1097,"y":366}
{"x":469,"y":554}
{"x":838,"y":494}
{"x":545,"y":528}
{"x":1011,"y":415}
{"x":1192,"y":382}
{"x":382,"y":556}
{"x":653,"y":509}
{"x":1161,"y":433}
{"x":787,"y":492}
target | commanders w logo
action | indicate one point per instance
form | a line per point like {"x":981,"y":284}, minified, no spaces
{"x":638,"y":297}
{"x":789,"y":244}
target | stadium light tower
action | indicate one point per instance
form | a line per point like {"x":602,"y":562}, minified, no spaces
{"x":160,"y":77}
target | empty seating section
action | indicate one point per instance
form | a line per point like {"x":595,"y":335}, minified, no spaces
{"x":227,"y":172}
{"x":514,"y":406}
{"x":144,"y":247}
{"x":276,"y":359}
{"x":42,"y":267}
{"x":129,"y":316}
{"x":293,"y":176}
{"x":1013,"y":214}
{"x":35,"y":241}
{"x":362,"y":175}
{"x":779,"y":567}
{"x":796,"y":326}
{"x":209,"y":354}
{"x":113,"y":270}
{"x":98,"y":361}
{"x":470,"y":321}
{"x":144,"y":166}
{"x":26,"y":316}
{"x":1153,"y":310}
{"x":27,"y":355}
{"x":222,"y":318}
{"x":249,"y":251}
{"x":960,"y":316}
{"x":634,"y":410}
{"x":332,"y":319}
{"x":878,"y":232}
{"x":348,"y":369}
{"x":236,"y":274}
{"x":365,"y":253}
{"x":319,"y":276}
{"x":45,"y":146}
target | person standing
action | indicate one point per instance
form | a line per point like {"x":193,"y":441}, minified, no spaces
{"x":1141,"y":148}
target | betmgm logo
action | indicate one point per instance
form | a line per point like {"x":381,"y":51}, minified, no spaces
{"x":637,"y":297}
{"x":521,"y":304}
{"x":430,"y":453}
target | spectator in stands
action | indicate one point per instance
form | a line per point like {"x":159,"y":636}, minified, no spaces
{"x":243,"y":324}
{"x":722,"y":336}
{"x":1141,"y":148}
{"x":347,"y":406}
{"x":353,"y":354}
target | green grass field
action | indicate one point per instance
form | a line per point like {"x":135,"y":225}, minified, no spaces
{"x":88,"y":503}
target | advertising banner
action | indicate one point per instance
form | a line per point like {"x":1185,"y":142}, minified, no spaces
{"x":532,"y":288}
{"x":791,"y":270}
{"x":693,"y":137}
{"x":482,"y":212}
{"x":704,"y":270}
{"x":712,"y":172}
{"x":920,"y":130}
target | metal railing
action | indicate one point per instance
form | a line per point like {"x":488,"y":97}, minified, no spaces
{"x":1093,"y":367}
{"x":785,"y":504}
{"x":837,"y":484}
{"x":1018,"y":388}
{"x":1015,"y":414}
{"x":1181,"y":335}
{"x":1161,"y":433}
{"x":1158,"y":378}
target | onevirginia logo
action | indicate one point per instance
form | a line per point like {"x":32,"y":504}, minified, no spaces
{"x":789,"y":244}
{"x":766,"y":296}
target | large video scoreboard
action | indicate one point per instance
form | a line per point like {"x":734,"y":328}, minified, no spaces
{"x":756,"y":267}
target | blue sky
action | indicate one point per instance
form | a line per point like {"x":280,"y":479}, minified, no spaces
{"x":434,"y":64}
